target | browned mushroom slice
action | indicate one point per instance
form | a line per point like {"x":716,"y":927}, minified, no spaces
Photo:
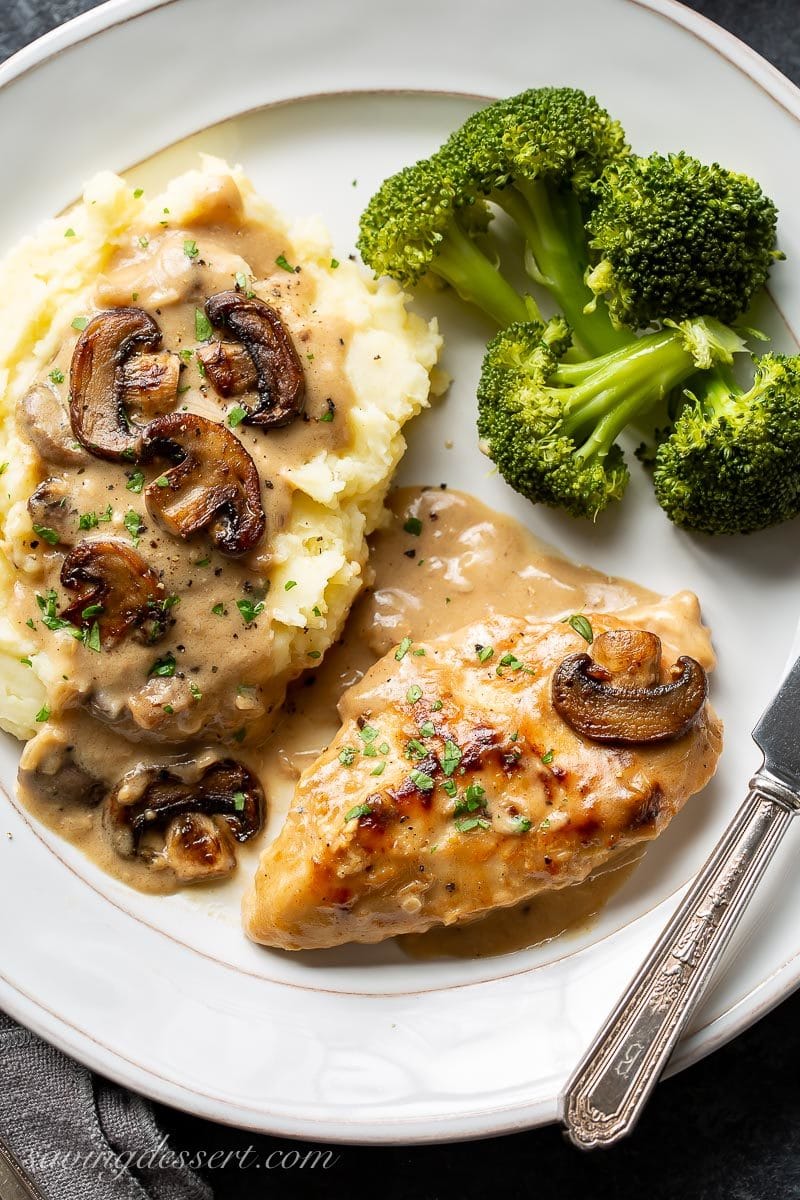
{"x":97,"y":378}
{"x":53,"y":515}
{"x":280,"y":382}
{"x":150,"y":382}
{"x":42,"y":420}
{"x":198,"y":847}
{"x":617,"y":697}
{"x":214,"y":484}
{"x":229,"y":368}
{"x":116,"y":588}
{"x":226,"y":789}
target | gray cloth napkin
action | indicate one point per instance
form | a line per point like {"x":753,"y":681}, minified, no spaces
{"x":77,"y":1136}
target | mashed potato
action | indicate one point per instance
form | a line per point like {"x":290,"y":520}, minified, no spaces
{"x":337,"y":497}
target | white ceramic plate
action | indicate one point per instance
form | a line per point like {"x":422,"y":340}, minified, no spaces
{"x":319,"y":102}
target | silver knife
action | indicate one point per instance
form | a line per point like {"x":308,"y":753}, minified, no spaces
{"x":14,"y":1183}
{"x":606,"y":1094}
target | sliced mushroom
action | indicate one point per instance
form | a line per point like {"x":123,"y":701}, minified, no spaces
{"x":50,"y":507}
{"x":198,"y":848}
{"x":229,"y":368}
{"x":226,"y":789}
{"x":150,"y":382}
{"x":97,"y":381}
{"x":116,"y":588}
{"x":214,"y":484}
{"x":280,"y":382}
{"x":43,"y":422}
{"x":617,"y":696}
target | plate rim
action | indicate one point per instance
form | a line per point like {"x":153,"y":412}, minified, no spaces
{"x":756,"y":1003}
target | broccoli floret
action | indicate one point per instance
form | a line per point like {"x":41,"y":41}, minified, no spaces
{"x":419,"y":222}
{"x":537,"y":155}
{"x":674,"y":237}
{"x":551,"y":426}
{"x":732,"y":461}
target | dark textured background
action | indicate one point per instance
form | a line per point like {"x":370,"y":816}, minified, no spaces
{"x":727,"y":1129}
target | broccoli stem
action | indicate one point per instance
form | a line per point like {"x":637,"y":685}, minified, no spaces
{"x":551,"y":223}
{"x":615,"y":388}
{"x":719,"y":391}
{"x":462,"y":264}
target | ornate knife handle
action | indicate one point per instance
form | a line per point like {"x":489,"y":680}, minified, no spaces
{"x":606,"y":1094}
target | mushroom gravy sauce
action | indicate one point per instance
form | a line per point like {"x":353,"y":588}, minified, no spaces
{"x":207,"y":688}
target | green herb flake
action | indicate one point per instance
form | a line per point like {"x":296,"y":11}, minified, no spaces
{"x":316,"y":611}
{"x":290,"y":583}
{"x":282,"y":262}
{"x":347,"y":756}
{"x":218,"y":609}
{"x":162,"y":481}
{"x":80,"y":323}
{"x":581,"y":626}
{"x":422,"y":780}
{"x":190,"y":248}
{"x":168,"y":709}
{"x":241,"y":281}
{"x":523,"y":825}
{"x":484,"y":653}
{"x":334,"y":263}
{"x":315,"y":654}
{"x":437,"y":706}
{"x":415,"y":749}
{"x":548,"y":757}
{"x":43,"y":714}
{"x":47,"y":534}
{"x":202,"y":326}
{"x":135,"y":482}
{"x":378,"y":769}
{"x":239,"y":801}
{"x":414,"y":693}
{"x":164,"y":666}
{"x":413,"y":526}
{"x":197,"y":695}
{"x":144,"y":241}
{"x":26,"y":662}
{"x":249,"y":610}
{"x":383,"y":748}
{"x":360,"y":810}
{"x":450,"y":786}
{"x":427,"y":729}
{"x":451,"y":757}
{"x":236,"y":415}
{"x":69,"y":232}
{"x":467,"y":824}
{"x":91,"y":638}
{"x":91,"y":610}
{"x":138,"y":193}
{"x":56,"y":375}
{"x":403,"y":649}
{"x":368,"y":733}
{"x":133,"y":523}
{"x":544,"y":825}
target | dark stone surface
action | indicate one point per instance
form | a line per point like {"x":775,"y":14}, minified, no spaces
{"x":727,"y":1129}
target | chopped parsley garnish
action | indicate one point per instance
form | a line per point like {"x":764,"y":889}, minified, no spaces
{"x":50,"y":619}
{"x":315,"y":610}
{"x":195,"y":690}
{"x":403,"y":649}
{"x":56,"y":376}
{"x":415,"y":749}
{"x":69,"y":232}
{"x":548,"y":757}
{"x":236,"y":415}
{"x":168,"y":709}
{"x":451,"y":757}
{"x":450,"y":786}
{"x":523,"y":824}
{"x":437,"y":705}
{"x":241,"y":280}
{"x":249,"y":610}
{"x":218,"y":609}
{"x":135,"y":482}
{"x":329,"y":411}
{"x":283,"y":262}
{"x":91,"y":610}
{"x":484,"y":653}
{"x":190,"y":248}
{"x":315,"y":654}
{"x":144,"y":241}
{"x":378,"y":769}
{"x":368,"y":733}
{"x":43,"y":713}
{"x":290,"y":583}
{"x":545,"y":824}
{"x":26,"y":662}
{"x":334,"y":263}
{"x":162,"y":481}
{"x":427,"y":729}
{"x":581,"y":626}
{"x":80,"y":323}
{"x":474,"y":798}
{"x":347,"y":756}
{"x":164,"y":666}
{"x":422,"y":780}
{"x":383,"y":748}
{"x":360,"y":810}
{"x":202,"y":326}
{"x":238,"y":801}
{"x":91,"y":638}
{"x":466,"y":824}
{"x":414,"y":693}
{"x":47,"y":534}
{"x":413,"y":526}
{"x":133,"y":523}
{"x":138,"y":193}
{"x":202,"y":562}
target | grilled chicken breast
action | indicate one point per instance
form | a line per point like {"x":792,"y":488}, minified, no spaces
{"x":454,"y":786}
